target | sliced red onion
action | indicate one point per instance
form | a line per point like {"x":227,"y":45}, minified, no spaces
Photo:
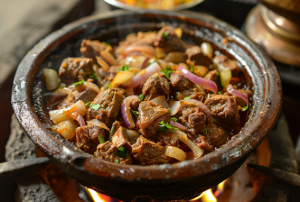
{"x":143,"y":75}
{"x":78,"y":118}
{"x":239,"y":94}
{"x":205,"y":83}
{"x":178,"y":125}
{"x":144,"y":65}
{"x":174,"y":107}
{"x":98,"y":123}
{"x":161,"y":100}
{"x":125,"y":111}
{"x":146,"y":49}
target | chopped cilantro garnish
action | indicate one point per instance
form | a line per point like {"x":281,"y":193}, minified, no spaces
{"x":117,"y":161}
{"x":165,"y":35}
{"x":170,"y":111}
{"x":122,"y":151}
{"x":208,"y":96}
{"x":109,"y":85}
{"x":101,"y":140}
{"x":141,"y":96}
{"x":88,"y":103}
{"x":95,"y":106}
{"x":187,"y":98}
{"x":136,"y":114}
{"x":62,"y":85}
{"x":244,"y":108}
{"x":107,"y":43}
{"x":192,"y":68}
{"x":79,"y":83}
{"x":165,"y":127}
{"x":219,"y":92}
{"x":167,"y":72}
{"x":112,"y":132}
{"x":174,"y":119}
{"x":205,"y":130}
{"x":151,"y":62}
{"x":217,"y":73}
{"x":93,"y":76}
{"x":124,"y":68}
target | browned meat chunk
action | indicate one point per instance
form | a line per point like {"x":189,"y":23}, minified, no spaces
{"x":192,"y":118}
{"x":224,"y":108}
{"x":213,"y":76}
{"x":134,"y":105}
{"x":150,"y":114}
{"x":110,"y":102}
{"x":226,"y":62}
{"x":195,"y":55}
{"x":201,"y":141}
{"x":75,"y":69}
{"x":169,"y":41}
{"x":91,"y":49}
{"x":146,"y":152}
{"x":166,"y":139}
{"x":181,"y":88}
{"x":156,"y":86}
{"x":87,"y":137}
{"x":217,"y":136}
{"x":109,"y":152}
{"x":120,"y":139}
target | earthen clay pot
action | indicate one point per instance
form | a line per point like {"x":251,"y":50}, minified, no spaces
{"x":165,"y":182}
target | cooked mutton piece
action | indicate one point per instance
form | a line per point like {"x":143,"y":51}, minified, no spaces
{"x":87,"y":137}
{"x":224,"y":108}
{"x":146,"y":152}
{"x":156,"y":86}
{"x":150,"y":114}
{"x":75,"y":69}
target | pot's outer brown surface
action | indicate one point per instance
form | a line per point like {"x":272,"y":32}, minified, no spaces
{"x":164,"y":182}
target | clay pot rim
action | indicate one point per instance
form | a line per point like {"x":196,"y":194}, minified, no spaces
{"x":264,"y":114}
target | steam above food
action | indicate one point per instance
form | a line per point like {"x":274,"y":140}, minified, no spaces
{"x":153,"y":99}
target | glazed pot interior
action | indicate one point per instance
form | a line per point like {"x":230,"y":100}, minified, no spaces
{"x":258,"y":69}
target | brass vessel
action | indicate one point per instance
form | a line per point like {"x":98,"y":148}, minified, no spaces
{"x":276,"y":26}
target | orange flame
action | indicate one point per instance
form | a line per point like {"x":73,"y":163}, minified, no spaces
{"x":96,"y":197}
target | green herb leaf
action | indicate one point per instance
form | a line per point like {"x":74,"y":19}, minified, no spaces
{"x":208,"y":96}
{"x":187,"y":98}
{"x":88,"y":103}
{"x":109,"y":85}
{"x":153,"y":76}
{"x":136,"y":114}
{"x":174,"y":119}
{"x":167,"y":72}
{"x":205,"y":130}
{"x":123,"y":152}
{"x":141,"y":96}
{"x":124,"y":68}
{"x":62,"y":85}
{"x":192,"y":68}
{"x":165,"y":35}
{"x":151,"y":62}
{"x":244,"y":108}
{"x":217,"y":73}
{"x":117,"y":161}
{"x":107,"y":43}
{"x":219,"y":92}
{"x":112,"y":132}
{"x":93,"y":76}
{"x":165,"y":127}
{"x":79,"y":83}
{"x":95,"y":106}
{"x":170,"y":111}
{"x":101,"y":140}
